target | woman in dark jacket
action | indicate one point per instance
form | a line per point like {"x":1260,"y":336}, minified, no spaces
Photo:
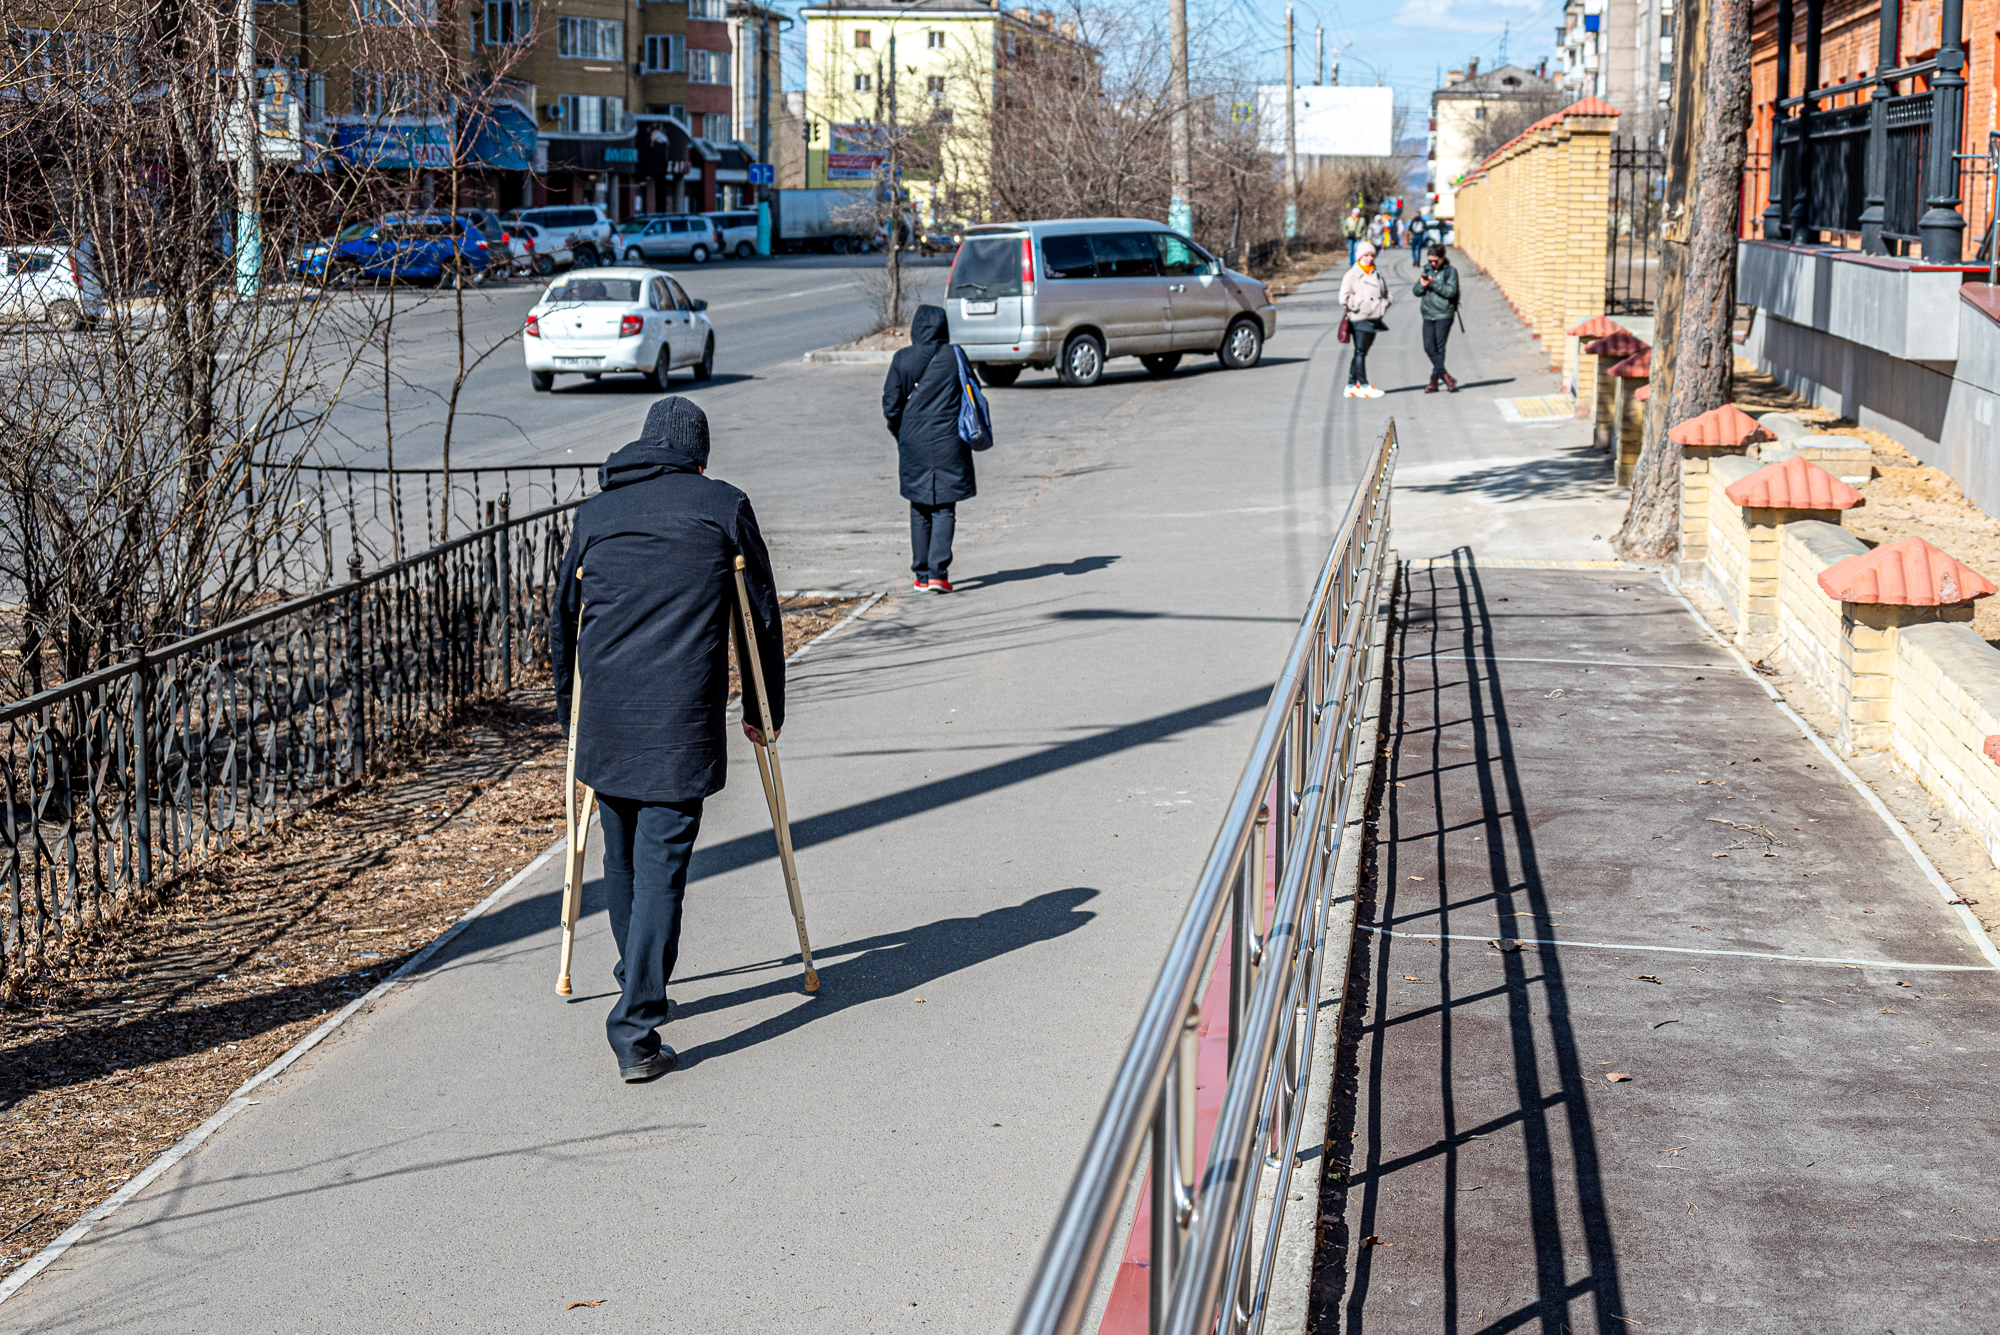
{"x":921,"y":400}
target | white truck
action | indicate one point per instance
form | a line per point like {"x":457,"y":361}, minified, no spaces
{"x":835,"y":220}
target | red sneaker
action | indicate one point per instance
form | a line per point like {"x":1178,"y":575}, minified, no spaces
{"x":940,"y":585}
{"x":918,"y":585}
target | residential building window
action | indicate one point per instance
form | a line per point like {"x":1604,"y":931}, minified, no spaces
{"x":678,"y":110}
{"x":716,"y":126}
{"x":590,"y":39}
{"x":397,"y":13}
{"x":862,"y":83}
{"x":708,"y":67}
{"x":715,"y":10}
{"x":666,"y":53}
{"x":861,"y":38}
{"x":508,"y":22}
{"x":593,"y":115}
{"x":936,"y":85}
{"x":934,"y":40}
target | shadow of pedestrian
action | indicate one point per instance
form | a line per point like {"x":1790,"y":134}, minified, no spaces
{"x":1083,"y":565}
{"x":878,"y":967}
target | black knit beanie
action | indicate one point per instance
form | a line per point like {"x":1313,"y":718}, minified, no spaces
{"x":680,"y":427}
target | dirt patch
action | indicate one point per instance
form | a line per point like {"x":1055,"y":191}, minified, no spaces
{"x":882,"y":340}
{"x":107,"y":1061}
{"x":1906,"y":497}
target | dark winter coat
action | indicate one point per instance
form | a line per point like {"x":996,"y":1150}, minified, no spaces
{"x":656,"y":552}
{"x":921,"y":401}
{"x":1440,"y":299}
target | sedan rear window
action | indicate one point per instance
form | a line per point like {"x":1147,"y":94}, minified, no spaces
{"x":597,"y":289}
{"x":987,"y":266}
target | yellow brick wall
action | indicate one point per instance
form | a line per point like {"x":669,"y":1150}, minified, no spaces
{"x":1945,"y":705}
{"x":1809,"y":638}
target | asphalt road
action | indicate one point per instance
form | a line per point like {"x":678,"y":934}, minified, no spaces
{"x":766,"y":313}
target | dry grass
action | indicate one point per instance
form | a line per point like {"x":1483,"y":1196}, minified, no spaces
{"x":1905,"y":497}
{"x":149,"y":1028}
{"x":1285,"y":277}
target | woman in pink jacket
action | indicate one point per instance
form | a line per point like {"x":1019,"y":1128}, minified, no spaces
{"x":1364,"y":295}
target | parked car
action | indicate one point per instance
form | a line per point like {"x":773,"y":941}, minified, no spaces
{"x":664,"y":236}
{"x":738,"y":230}
{"x":545,"y":248}
{"x":431,"y":248}
{"x":589,"y":228}
{"x":595,"y":321}
{"x":1072,"y":293}
{"x":53,"y":283}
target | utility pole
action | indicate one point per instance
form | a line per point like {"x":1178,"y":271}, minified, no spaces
{"x":765,"y":27}
{"x":249,"y":236}
{"x":1180,"y":203}
{"x":1319,"y":51}
{"x":1291,"y":141}
{"x":895,"y":232}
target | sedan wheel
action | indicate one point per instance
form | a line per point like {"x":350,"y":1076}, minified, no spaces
{"x":663,"y":366}
{"x":705,"y":368}
{"x":1243,"y":346}
{"x":544,"y":381}
{"x":545,"y":265}
{"x":66,"y":315}
{"x":1082,"y":361}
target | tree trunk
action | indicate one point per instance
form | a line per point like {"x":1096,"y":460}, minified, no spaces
{"x":1694,"y":341}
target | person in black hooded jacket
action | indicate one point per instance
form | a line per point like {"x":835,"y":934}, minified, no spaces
{"x":921,"y":399}
{"x":651,"y":567}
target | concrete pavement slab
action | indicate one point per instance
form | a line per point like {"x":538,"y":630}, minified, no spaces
{"x":1796,"y":1145}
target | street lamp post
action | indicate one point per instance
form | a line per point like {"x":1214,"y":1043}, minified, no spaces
{"x":1180,"y":205}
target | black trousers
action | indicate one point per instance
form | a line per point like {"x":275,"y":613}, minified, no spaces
{"x":931,"y":530}
{"x":1357,"y":367}
{"x":1435,"y":334}
{"x":646,"y":851}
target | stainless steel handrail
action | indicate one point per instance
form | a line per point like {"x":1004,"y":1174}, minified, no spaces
{"x":1203,"y":1276}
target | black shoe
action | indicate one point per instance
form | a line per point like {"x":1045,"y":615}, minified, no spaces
{"x":652,"y":1068}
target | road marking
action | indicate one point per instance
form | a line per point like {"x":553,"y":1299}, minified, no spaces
{"x":1690,"y":950}
{"x":786,"y":296}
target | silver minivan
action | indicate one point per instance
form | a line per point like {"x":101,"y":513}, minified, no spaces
{"x":1074,"y":292}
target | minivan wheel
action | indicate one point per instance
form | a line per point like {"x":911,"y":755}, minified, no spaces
{"x":1082,"y":361}
{"x":1243,"y":345}
{"x":1160,"y":363}
{"x":744,"y":250}
{"x":999,"y":375}
{"x":699,"y":254}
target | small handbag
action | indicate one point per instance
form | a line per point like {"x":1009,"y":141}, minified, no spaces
{"x":1346,"y":331}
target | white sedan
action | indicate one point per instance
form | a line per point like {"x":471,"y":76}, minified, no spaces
{"x":593,"y":321}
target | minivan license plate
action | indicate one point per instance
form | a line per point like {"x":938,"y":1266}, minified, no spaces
{"x":981,"y":307}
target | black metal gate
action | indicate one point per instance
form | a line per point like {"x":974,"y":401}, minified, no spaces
{"x":1632,"y":257}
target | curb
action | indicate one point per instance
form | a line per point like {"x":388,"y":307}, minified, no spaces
{"x":239,"y":1100}
{"x":851,"y":356}
{"x":1289,"y":1303}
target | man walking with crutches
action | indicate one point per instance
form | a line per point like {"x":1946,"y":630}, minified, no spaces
{"x":650,"y":578}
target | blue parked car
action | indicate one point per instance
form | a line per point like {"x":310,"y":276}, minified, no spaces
{"x":425,"y":248}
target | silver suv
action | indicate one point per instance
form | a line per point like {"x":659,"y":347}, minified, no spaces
{"x":588,"y":229}
{"x":1073,"y":292}
{"x":663,"y":236}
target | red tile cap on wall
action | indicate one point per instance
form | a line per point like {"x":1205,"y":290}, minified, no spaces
{"x":1793,"y":484}
{"x":1643,"y":393}
{"x":1636,"y":367}
{"x":1910,"y":573}
{"x":1993,"y":749}
{"x":1724,"y":428}
{"x":1621,"y":344}
{"x":1598,"y":326}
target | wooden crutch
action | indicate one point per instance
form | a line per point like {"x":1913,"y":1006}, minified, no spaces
{"x":576,"y":814}
{"x":752,"y":673}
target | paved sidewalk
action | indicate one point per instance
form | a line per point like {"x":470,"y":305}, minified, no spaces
{"x":1809,"y":1031}
{"x":1002,"y":801}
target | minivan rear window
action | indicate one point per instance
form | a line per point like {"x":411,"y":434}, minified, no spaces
{"x":1068,"y":257}
{"x":987,"y":266}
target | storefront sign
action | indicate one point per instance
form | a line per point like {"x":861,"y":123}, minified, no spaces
{"x":853,"y":152}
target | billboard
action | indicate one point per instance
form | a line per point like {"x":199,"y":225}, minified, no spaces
{"x":1328,"y":121}
{"x":854,"y":152}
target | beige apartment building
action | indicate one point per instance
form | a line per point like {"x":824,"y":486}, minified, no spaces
{"x":1465,"y":111}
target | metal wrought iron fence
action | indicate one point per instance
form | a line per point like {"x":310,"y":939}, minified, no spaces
{"x":117,"y":780}
{"x":1209,"y":1263}
{"x":1632,"y":255}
